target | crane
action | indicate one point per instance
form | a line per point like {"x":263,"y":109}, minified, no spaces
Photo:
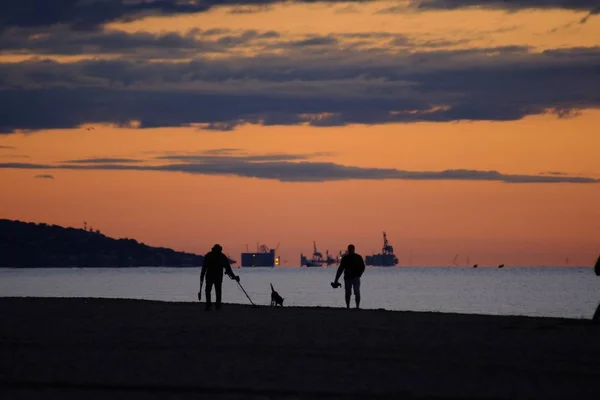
{"x":387,"y":249}
{"x":316,"y":254}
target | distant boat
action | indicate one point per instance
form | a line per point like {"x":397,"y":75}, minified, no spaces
{"x":597,"y":267}
{"x":264,"y":257}
{"x":386,"y":258}
{"x":501,"y":266}
{"x":475,"y":266}
{"x":330,"y":260}
{"x":317,"y":259}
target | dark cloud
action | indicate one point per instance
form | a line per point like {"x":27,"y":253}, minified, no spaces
{"x":343,"y":87}
{"x":44,"y":176}
{"x":91,"y":14}
{"x":24,"y":166}
{"x":307,"y":171}
{"x":7,"y":147}
{"x":62,"y":41}
{"x":315,"y":41}
{"x":592,"y":7}
{"x":86,"y":15}
{"x":205,"y":156}
{"x":576,"y":5}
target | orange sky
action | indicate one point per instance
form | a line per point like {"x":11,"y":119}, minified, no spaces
{"x":427,"y":222}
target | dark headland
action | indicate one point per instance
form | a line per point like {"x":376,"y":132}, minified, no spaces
{"x":31,"y":245}
{"x":133,"y":349}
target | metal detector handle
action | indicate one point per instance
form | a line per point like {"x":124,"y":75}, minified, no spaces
{"x":241,"y":287}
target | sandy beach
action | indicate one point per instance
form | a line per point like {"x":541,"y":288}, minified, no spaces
{"x":116,"y":348}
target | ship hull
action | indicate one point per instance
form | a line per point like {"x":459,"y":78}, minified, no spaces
{"x":254,"y":260}
{"x":381,"y":260}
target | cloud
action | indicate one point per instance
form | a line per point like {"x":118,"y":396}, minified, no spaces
{"x":315,"y":41}
{"x":511,"y":5}
{"x":44,"y":176}
{"x":205,"y":156}
{"x":286,"y":168}
{"x":86,"y":15}
{"x":592,"y":7}
{"x":348,"y":9}
{"x":24,"y":166}
{"x":92,"y":14}
{"x":60,"y":40}
{"x":342,"y":87}
{"x":102,"y":161}
{"x":7,"y":147}
{"x":250,"y":9}
{"x":222,"y":151}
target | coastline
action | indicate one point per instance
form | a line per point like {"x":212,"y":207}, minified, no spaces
{"x":133,"y":348}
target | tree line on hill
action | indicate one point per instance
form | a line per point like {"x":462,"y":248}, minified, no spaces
{"x":31,"y":245}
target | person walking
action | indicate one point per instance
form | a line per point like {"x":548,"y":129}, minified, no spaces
{"x":353,"y":266}
{"x":215,"y":262}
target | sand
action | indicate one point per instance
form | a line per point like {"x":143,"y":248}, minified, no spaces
{"x":116,"y":348}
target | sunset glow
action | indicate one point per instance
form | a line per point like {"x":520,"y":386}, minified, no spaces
{"x":467,"y":130}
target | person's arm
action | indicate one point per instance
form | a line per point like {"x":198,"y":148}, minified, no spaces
{"x":340,"y":269}
{"x":362,"y":266}
{"x":228,"y":269}
{"x":203,"y":272}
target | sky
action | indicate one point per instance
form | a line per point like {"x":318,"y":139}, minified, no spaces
{"x":459,"y":127}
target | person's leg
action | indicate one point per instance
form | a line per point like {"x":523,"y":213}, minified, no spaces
{"x":208,"y":289}
{"x":356,"y":285}
{"x":347,"y":288}
{"x":218,"y":291}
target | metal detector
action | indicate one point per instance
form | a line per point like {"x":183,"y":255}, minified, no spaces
{"x":241,"y":287}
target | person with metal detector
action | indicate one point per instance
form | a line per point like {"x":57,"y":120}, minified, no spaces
{"x":212,"y":268}
{"x":353,"y":266}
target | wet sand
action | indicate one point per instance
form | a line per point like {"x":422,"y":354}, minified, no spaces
{"x":130,"y":349}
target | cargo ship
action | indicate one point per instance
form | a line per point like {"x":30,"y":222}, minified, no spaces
{"x":264,"y":257}
{"x":329,"y":261}
{"x":386,"y":258}
{"x":316,"y":260}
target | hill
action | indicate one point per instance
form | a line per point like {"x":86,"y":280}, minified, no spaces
{"x":31,"y":245}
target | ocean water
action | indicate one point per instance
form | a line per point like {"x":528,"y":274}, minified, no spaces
{"x":537,"y":291}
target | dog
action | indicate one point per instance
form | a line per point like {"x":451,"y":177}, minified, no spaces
{"x":276,"y":299}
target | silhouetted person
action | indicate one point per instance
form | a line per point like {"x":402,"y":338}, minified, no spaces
{"x":212,"y":267}
{"x":353,"y":266}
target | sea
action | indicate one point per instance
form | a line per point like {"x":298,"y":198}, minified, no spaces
{"x":568,"y":292}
